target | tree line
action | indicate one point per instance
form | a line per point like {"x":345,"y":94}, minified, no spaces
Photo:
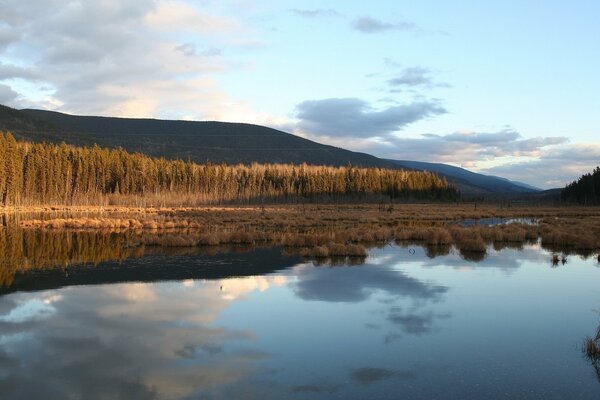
{"x":585,"y":190}
{"x":43,"y":173}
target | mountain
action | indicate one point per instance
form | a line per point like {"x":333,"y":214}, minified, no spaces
{"x":27,"y":127}
{"x":199,"y":141}
{"x":222,"y":142}
{"x":469,"y":182}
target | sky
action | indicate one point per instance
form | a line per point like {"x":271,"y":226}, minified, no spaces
{"x":508,"y":88}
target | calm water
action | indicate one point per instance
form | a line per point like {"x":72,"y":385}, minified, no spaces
{"x":400,"y":326}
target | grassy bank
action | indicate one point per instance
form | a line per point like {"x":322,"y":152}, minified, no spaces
{"x":320,"y":230}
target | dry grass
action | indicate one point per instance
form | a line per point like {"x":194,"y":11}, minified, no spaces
{"x":332,"y":250}
{"x":54,"y":236}
{"x":564,"y":229}
{"x":209,"y":239}
{"x":320,"y":252}
{"x":432,"y":236}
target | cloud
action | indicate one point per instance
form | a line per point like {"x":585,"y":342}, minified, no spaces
{"x":182,"y":16}
{"x":190,"y":50}
{"x":465,"y":147}
{"x":558,"y":162}
{"x":413,"y":76}
{"x":316,"y":13}
{"x":7,"y":36}
{"x":371,"y":25}
{"x":7,"y":95}
{"x":555,"y":167}
{"x":391,"y":63}
{"x":145,"y":59}
{"x":352,"y":117}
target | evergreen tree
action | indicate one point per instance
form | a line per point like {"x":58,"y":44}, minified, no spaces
{"x":43,"y":173}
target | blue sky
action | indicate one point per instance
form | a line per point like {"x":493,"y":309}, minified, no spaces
{"x":501,"y":87}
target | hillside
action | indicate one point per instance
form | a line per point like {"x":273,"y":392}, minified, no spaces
{"x":26,"y":126}
{"x":201,"y":141}
{"x":221,"y":142}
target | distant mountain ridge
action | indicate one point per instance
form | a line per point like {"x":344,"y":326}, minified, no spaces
{"x":222,"y":142}
{"x":465,"y":177}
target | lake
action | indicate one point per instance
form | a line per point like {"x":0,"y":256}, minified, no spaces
{"x":255,"y":324}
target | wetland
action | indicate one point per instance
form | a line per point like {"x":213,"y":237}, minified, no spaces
{"x":299,"y":301}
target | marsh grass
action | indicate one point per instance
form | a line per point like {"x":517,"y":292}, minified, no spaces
{"x":468,"y":239}
{"x":332,"y":250}
{"x":312,"y":230}
{"x":319,"y":225}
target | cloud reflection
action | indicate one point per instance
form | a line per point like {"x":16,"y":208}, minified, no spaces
{"x":129,"y":341}
{"x":237,"y":338}
{"x":355,"y":284}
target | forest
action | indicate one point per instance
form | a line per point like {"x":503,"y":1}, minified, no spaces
{"x":585,"y":190}
{"x":43,"y":173}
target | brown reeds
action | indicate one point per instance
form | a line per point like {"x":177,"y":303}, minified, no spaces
{"x":468,"y":240}
{"x":320,"y":252}
{"x":308,"y":226}
{"x":335,"y":250}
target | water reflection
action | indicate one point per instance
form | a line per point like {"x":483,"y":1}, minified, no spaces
{"x":51,"y":253}
{"x":403,"y":325}
{"x":591,"y":351}
{"x":163,"y":266}
{"x":498,"y":221}
{"x":124,"y":341}
{"x":355,"y":284}
{"x":370,"y":375}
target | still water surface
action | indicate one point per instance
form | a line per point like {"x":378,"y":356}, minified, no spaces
{"x":400,"y":326}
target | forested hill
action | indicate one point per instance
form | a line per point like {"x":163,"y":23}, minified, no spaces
{"x":198,"y":141}
{"x":61,"y":174}
{"x":585,"y":190}
{"x":221,"y":142}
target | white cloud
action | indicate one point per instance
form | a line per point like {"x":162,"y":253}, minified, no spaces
{"x":175,"y":15}
{"x":555,"y":166}
{"x":142,"y":59}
